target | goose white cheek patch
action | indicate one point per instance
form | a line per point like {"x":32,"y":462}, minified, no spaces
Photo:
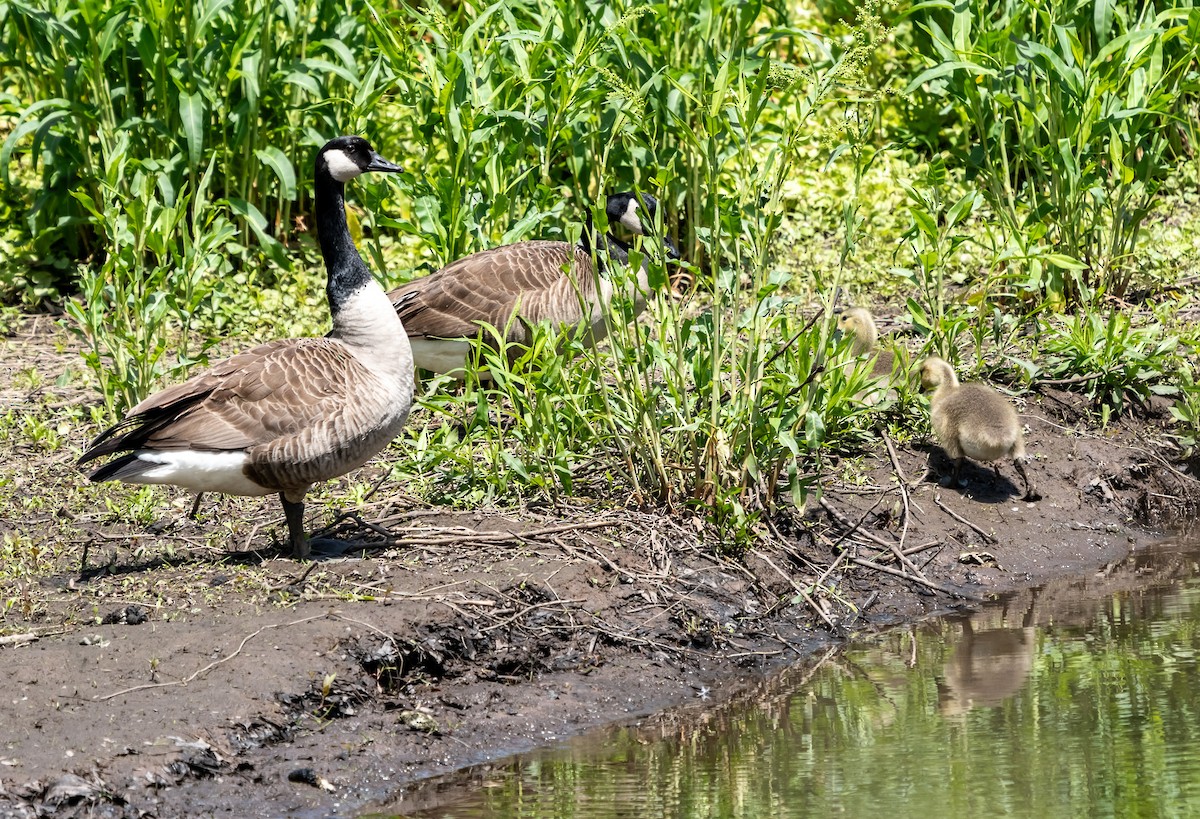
{"x":630,"y":218}
{"x":341,"y":167}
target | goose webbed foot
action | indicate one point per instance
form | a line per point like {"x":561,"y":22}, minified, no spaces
{"x":329,"y":547}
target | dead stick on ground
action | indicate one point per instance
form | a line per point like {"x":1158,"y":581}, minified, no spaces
{"x":933,"y":584}
{"x":496,"y":537}
{"x":887,"y":544}
{"x":898,"y":550}
{"x":987,"y":537}
{"x":903,"y":488}
{"x":189,"y":678}
{"x":17,"y":639}
{"x":851,"y":528}
{"x":807,"y":598}
{"x":528,"y":609}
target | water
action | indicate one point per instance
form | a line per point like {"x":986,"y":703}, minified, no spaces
{"x":1077,"y":699}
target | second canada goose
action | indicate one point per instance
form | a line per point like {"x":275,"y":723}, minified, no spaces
{"x":289,"y":413}
{"x":537,"y":280}
{"x":973,"y":421}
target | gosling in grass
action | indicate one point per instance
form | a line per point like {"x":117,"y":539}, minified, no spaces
{"x":973,"y":421}
{"x":859,"y":323}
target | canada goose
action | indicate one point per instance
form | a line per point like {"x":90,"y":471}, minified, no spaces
{"x":539,"y":280}
{"x":289,"y":413}
{"x":859,"y":322}
{"x":973,"y":420}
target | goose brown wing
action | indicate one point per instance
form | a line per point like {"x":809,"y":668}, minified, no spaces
{"x":253,"y":398}
{"x":487,"y":286}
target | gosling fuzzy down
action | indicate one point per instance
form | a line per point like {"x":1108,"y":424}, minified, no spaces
{"x":858,"y":322}
{"x":973,"y":421}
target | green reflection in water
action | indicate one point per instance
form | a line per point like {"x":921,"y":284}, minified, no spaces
{"x":1078,"y":699}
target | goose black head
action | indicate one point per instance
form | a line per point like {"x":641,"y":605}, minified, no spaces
{"x":346,"y":157}
{"x":627,"y":208}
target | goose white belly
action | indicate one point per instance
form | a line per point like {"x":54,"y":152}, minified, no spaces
{"x":440,"y":355}
{"x":195,"y":470}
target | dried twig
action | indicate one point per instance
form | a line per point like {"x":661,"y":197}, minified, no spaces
{"x":987,"y":537}
{"x":800,"y":591}
{"x":851,"y":528}
{"x":18,"y":639}
{"x":189,"y":678}
{"x":528,"y":609}
{"x":933,"y":584}
{"x":1060,"y":382}
{"x":472,"y":536}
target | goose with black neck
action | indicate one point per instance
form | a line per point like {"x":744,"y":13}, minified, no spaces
{"x":538,"y":280}
{"x":290,"y":413}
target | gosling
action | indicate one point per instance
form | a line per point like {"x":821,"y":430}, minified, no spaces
{"x":973,"y":420}
{"x":859,"y":322}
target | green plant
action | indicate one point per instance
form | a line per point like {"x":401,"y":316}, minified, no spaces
{"x":1067,"y":110}
{"x":1186,"y":412}
{"x":163,"y":258}
{"x":233,"y":89}
{"x":1112,"y":360}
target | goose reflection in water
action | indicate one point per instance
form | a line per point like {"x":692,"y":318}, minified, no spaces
{"x":986,"y":667}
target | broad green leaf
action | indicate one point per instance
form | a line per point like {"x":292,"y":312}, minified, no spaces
{"x":1063,"y":261}
{"x":947,"y":68}
{"x":191,"y":112}
{"x":277,"y":161}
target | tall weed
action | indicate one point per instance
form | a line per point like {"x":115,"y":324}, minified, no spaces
{"x":137,"y":310}
{"x":1067,"y":111}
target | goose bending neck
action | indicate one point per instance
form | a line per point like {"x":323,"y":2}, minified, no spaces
{"x":347,"y":271}
{"x":609,"y":245}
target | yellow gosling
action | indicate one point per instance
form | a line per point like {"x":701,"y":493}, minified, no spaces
{"x":859,"y":323}
{"x":973,"y":421}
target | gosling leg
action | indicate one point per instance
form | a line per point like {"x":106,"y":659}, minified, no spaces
{"x":958,"y":463}
{"x":1031,"y":493}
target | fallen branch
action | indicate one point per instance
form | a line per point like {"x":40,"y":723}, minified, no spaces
{"x":528,"y":609}
{"x":987,"y":537}
{"x":898,"y":549}
{"x":933,"y":584}
{"x":854,"y":527}
{"x":18,"y":639}
{"x":1062,"y":382}
{"x":496,"y":537}
{"x":189,"y":678}
{"x":807,"y":597}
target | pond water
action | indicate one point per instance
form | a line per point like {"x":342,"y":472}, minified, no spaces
{"x":1080,"y":698}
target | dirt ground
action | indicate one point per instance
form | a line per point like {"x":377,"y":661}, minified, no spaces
{"x":194,"y":680}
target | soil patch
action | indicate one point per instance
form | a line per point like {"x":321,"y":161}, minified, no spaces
{"x":187,"y":671}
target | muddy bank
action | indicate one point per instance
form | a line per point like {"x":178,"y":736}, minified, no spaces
{"x":206,"y":680}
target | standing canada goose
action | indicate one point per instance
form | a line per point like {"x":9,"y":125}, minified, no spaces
{"x":538,"y":280}
{"x":859,"y":322}
{"x":289,"y":413}
{"x":973,"y":420}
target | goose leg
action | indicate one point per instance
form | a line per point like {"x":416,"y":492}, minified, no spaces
{"x":294,"y":512}
{"x":1031,"y":493}
{"x":196,"y":505}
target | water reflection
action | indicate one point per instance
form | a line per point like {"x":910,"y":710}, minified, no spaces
{"x":1077,"y":699}
{"x":985,"y":667}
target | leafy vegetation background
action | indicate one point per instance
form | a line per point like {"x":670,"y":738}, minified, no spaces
{"x":1015,"y":181}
